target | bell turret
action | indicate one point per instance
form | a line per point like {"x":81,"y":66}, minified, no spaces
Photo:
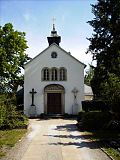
{"x":54,"y":38}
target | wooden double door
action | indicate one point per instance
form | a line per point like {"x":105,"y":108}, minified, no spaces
{"x":54,"y":103}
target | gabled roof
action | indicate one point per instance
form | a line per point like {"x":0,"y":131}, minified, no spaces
{"x":68,"y":53}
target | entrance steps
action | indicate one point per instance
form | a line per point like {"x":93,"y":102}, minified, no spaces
{"x":55,"y":116}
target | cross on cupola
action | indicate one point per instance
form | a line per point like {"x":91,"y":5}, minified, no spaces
{"x":32,"y":92}
{"x":54,"y":37}
{"x":53,"y":23}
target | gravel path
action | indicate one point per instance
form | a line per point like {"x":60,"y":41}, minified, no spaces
{"x":56,"y":139}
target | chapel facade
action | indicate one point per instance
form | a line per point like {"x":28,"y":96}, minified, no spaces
{"x":53,"y":81}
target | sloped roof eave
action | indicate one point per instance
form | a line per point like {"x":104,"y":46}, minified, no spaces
{"x":61,"y":49}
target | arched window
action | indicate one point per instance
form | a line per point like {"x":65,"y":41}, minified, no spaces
{"x":63,"y":74}
{"x":46,"y":74}
{"x":54,"y":74}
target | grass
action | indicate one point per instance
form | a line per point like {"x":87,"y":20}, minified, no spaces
{"x":107,"y":135}
{"x":8,"y":138}
{"x":115,"y":155}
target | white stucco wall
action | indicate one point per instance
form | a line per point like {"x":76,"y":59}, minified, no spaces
{"x":88,"y":97}
{"x":32,"y":79}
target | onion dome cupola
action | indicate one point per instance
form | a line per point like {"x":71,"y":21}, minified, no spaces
{"x":54,"y":38}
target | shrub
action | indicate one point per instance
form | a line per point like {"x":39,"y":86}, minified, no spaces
{"x":113,"y":125}
{"x":94,"y":120}
{"x":111,"y":91}
{"x":116,"y":105}
{"x":20,"y":107}
{"x":80,"y":116}
{"x":10,"y":118}
{"x":43,"y":116}
{"x":95,"y":106}
{"x":2,"y":115}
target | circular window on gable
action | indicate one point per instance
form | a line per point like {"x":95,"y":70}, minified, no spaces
{"x":53,"y":55}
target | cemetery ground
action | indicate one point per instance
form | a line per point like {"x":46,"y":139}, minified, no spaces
{"x":57,"y":139}
{"x":103,"y":140}
{"x":8,"y":139}
{"x":13,"y":125}
{"x":57,"y":135}
{"x":102,"y":128}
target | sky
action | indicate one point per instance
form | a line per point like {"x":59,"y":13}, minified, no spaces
{"x":35,"y":17}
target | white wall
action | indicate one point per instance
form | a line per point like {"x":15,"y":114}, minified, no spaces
{"x":32,"y":79}
{"x":88,"y":97}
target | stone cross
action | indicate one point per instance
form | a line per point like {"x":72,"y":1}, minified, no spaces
{"x":32,"y":92}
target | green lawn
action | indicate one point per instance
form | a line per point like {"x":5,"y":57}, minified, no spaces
{"x":108,"y":135}
{"x":8,"y":138}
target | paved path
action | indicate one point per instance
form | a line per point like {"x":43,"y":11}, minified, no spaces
{"x":58,"y":139}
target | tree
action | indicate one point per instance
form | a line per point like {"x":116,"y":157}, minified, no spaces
{"x":12,"y":56}
{"x":105,"y":48}
{"x":89,"y":75}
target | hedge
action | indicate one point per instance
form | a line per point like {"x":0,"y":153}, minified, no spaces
{"x":95,"y":106}
{"x":93,"y":120}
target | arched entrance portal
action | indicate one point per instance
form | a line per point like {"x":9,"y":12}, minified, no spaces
{"x":54,"y":99}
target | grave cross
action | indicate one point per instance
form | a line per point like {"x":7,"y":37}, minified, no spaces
{"x":32,"y":92}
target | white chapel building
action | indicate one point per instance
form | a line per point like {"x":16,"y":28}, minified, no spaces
{"x":53,"y":81}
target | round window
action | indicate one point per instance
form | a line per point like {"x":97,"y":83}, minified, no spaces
{"x":53,"y":55}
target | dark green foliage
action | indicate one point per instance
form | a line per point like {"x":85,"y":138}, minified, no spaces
{"x":105,"y":48}
{"x":94,"y":120}
{"x":12,"y":57}
{"x":95,"y":106}
{"x":80,"y":116}
{"x":109,"y":90}
{"x":9,"y":117}
{"x":105,"y":42}
{"x":113,"y":125}
{"x":66,"y":115}
{"x":43,"y":116}
{"x":20,"y":107}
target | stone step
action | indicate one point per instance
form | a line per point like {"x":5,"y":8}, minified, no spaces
{"x":55,"y":116}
